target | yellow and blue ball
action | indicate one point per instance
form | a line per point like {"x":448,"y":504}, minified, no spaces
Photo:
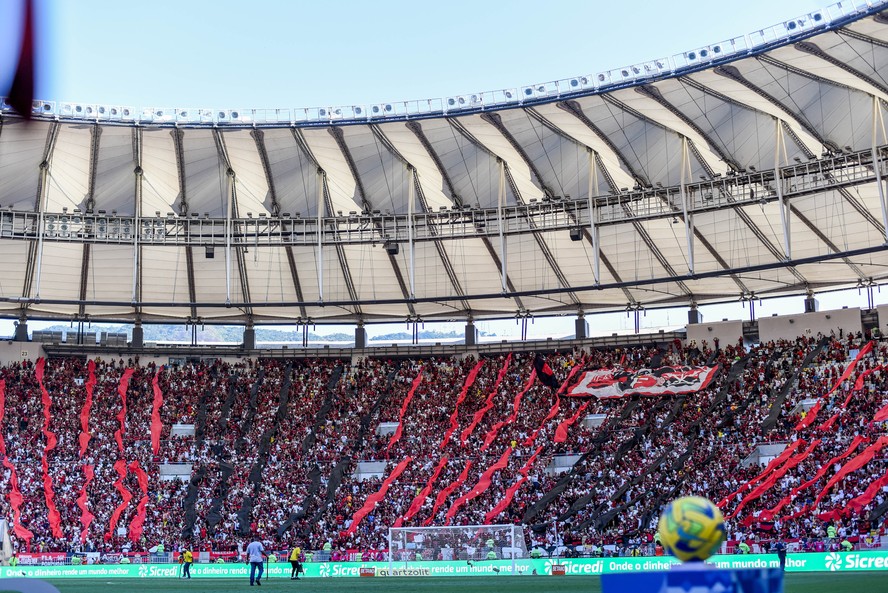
{"x":691,"y":528}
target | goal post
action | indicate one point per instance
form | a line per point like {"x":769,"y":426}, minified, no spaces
{"x":465,"y":543}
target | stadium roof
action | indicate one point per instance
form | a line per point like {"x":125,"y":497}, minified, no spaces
{"x":742,"y":168}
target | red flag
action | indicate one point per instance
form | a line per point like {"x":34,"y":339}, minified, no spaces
{"x":21,"y":93}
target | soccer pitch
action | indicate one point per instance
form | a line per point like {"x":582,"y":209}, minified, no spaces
{"x":795,"y":583}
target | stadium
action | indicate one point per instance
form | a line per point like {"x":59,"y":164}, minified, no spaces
{"x":743,"y":170}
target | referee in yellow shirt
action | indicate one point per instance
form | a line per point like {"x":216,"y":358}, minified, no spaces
{"x":295,"y":563}
{"x":187,"y":561}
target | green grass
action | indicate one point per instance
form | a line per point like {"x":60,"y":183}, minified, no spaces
{"x":862,"y":582}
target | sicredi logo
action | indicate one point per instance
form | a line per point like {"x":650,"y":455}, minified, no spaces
{"x":324,"y":569}
{"x":833,"y":562}
{"x":143,"y":571}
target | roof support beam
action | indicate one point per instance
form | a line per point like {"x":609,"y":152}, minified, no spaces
{"x":811,"y":48}
{"x":137,"y":208}
{"x":359,"y":185}
{"x":574,"y":109}
{"x":732,"y":73}
{"x":325,"y":205}
{"x":35,"y":250}
{"x":182,"y":198}
{"x":231,"y":211}
{"x":496,"y":121}
{"x":879,"y":125}
{"x":416,"y":128}
{"x":259,"y":138}
{"x":95,"y":134}
{"x":652,"y":92}
{"x":417,"y":131}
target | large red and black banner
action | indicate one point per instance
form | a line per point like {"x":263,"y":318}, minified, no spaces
{"x":614,"y":383}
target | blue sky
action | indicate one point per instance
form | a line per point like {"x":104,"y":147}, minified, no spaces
{"x":189,"y":53}
{"x":220,"y":54}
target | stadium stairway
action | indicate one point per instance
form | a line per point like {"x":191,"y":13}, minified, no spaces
{"x":321,"y":417}
{"x":257,"y":471}
{"x":777,"y":405}
{"x":314,"y":474}
{"x":604,"y":435}
{"x":214,"y":515}
{"x":345,"y":463}
{"x":599,"y":514}
{"x":733,"y":375}
{"x":190,"y":501}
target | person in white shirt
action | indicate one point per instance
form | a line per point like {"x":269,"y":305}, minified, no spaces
{"x":256,"y":555}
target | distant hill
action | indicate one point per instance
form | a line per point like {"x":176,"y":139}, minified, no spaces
{"x":234,"y":334}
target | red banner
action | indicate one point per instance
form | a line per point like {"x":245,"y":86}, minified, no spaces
{"x":516,"y":405}
{"x":396,"y":436}
{"x":476,"y":419}
{"x":769,"y":482}
{"x":442,"y":496}
{"x":15,"y":501}
{"x":377,"y":497}
{"x":775,"y":463}
{"x":2,"y":414}
{"x":808,"y":420}
{"x":156,"y":424}
{"x":87,"y":406}
{"x":86,"y":518}
{"x":771,"y":513}
{"x":615,"y":383}
{"x":53,"y":516}
{"x":855,"y":464}
{"x":424,"y":493}
{"x":138,"y":522}
{"x":479,"y":488}
{"x":126,"y":495}
{"x":561,"y":431}
{"x":121,"y":415}
{"x":828,"y":423}
{"x":506,"y":500}
{"x":856,"y":505}
{"x":881,"y":415}
{"x":473,"y":374}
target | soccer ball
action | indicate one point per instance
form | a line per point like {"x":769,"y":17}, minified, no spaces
{"x":691,"y":528}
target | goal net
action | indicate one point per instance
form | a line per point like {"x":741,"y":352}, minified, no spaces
{"x":464,"y":543}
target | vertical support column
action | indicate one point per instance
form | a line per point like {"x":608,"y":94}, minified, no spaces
{"x":137,"y":223}
{"x":878,"y":122}
{"x":581,"y":326}
{"x":44,"y":172}
{"x":593,"y":218}
{"x":360,"y":336}
{"x":228,"y":237}
{"x":688,"y":218}
{"x":694,"y":315}
{"x":471,"y":333}
{"x":500,"y":202}
{"x":249,"y":335}
{"x":320,"y":230}
{"x":411,"y":198}
{"x":21,"y":329}
{"x":779,"y":144}
{"x":138,"y":334}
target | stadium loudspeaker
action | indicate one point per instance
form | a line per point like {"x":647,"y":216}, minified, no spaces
{"x":391,"y":248}
{"x":576,"y":235}
{"x":210,"y":252}
{"x":694,"y":316}
{"x":360,"y":337}
{"x":810,"y":305}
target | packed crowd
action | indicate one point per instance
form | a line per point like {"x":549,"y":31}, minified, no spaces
{"x":273,"y":448}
